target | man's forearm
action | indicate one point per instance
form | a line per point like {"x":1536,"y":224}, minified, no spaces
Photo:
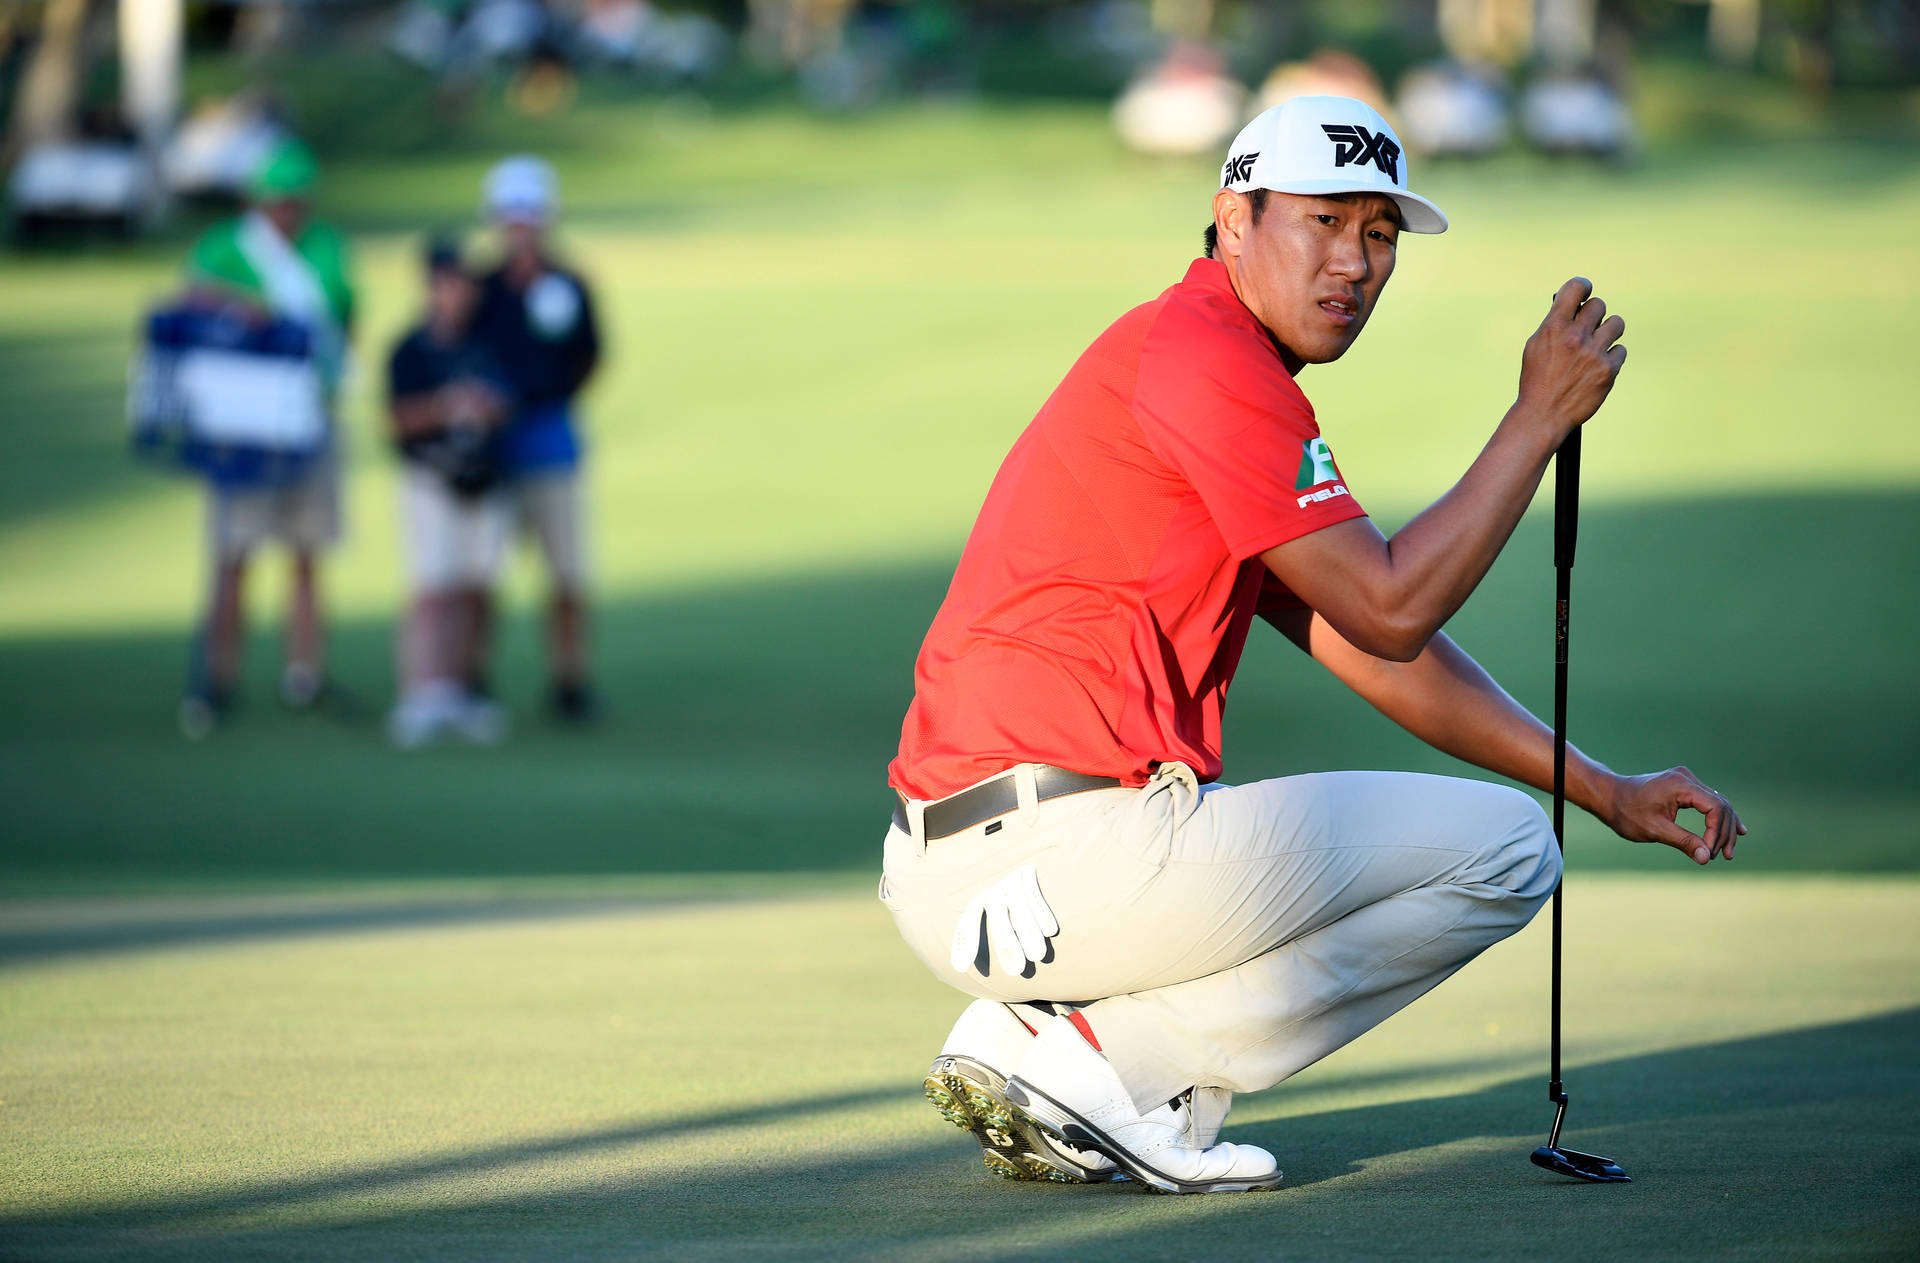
{"x":1439,"y":558}
{"x":1444,"y":698}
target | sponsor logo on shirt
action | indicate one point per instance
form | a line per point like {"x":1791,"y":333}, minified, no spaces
{"x":1358,"y":145}
{"x":1316,"y":465}
{"x":1317,"y":468}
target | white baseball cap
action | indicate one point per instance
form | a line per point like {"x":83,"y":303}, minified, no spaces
{"x":1326,"y":144}
{"x":521,"y":189}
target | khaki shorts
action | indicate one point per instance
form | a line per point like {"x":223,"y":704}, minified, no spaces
{"x":304,"y":515}
{"x":453,"y":541}
{"x":549,"y":507}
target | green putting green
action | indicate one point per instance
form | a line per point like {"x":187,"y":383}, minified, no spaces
{"x":689,"y":1072}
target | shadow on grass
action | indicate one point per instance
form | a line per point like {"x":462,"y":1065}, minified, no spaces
{"x":64,"y":418}
{"x":750,"y":727}
{"x":1785,"y":1145}
{"x":142,"y":927}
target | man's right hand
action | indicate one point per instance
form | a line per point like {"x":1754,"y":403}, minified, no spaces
{"x":1570,"y":363}
{"x":471,"y":402}
{"x":1645,"y":809}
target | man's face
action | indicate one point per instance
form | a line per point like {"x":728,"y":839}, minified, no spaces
{"x":1312,"y":268}
{"x":524,"y":236}
{"x":450,"y":296}
{"x":287,"y":214}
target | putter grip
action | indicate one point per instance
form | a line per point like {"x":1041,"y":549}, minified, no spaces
{"x":1566,"y":500}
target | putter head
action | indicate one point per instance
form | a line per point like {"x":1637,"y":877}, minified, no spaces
{"x":1590,"y":1167}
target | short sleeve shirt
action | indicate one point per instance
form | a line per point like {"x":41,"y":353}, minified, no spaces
{"x":1102,"y":601}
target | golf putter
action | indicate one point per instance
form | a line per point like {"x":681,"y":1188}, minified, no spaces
{"x":1566,"y":520}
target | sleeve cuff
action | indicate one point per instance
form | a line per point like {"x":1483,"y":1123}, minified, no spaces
{"x":1321,"y":516}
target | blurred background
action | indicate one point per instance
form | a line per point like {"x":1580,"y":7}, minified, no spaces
{"x":838,"y":254}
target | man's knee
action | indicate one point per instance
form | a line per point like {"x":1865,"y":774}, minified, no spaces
{"x":1522,"y":855}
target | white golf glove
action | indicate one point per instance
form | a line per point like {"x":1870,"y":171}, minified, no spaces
{"x":1017,"y":924}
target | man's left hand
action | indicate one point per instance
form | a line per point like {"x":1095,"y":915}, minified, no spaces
{"x":1643,"y":809}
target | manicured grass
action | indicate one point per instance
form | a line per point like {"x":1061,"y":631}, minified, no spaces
{"x":445,"y":1074}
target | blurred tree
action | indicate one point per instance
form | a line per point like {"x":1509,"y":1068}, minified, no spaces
{"x":1183,"y":19}
{"x":150,"y":55}
{"x":265,"y":27}
{"x":1495,"y":31}
{"x":1810,"y":58}
{"x":1733,"y":30}
{"x":1564,"y":31}
{"x":50,"y":89}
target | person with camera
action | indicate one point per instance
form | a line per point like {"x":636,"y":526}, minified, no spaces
{"x":448,"y":401}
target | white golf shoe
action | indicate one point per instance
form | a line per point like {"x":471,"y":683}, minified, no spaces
{"x":1070,"y":1091}
{"x":967,"y":1083}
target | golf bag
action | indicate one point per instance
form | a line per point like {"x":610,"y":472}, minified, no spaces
{"x":235,"y":399}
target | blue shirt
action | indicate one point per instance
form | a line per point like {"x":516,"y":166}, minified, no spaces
{"x":546,"y":341}
{"x":540,"y":438}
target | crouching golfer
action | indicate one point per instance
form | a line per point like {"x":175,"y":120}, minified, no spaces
{"x":1143,"y":940}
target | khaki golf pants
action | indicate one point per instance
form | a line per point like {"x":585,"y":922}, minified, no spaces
{"x":1227,"y":936}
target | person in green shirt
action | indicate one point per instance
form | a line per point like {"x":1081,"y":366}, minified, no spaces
{"x":276,"y":260}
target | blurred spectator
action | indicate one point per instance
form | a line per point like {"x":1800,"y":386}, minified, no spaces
{"x":792,"y":32}
{"x":1186,"y":104}
{"x":217,"y":150}
{"x":1121,"y":31}
{"x":611,"y":30}
{"x":423,"y":31}
{"x":84,"y":181}
{"x":636,"y":35}
{"x":502,"y":30}
{"x":457,"y":39}
{"x":536,"y":317}
{"x":1329,"y":72}
{"x":1451,"y":110}
{"x":856,"y":74}
{"x":1575,"y":112}
{"x":274,"y":261}
{"x":447,"y":400}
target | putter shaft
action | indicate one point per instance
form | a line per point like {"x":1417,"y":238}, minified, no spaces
{"x":1566,"y":514}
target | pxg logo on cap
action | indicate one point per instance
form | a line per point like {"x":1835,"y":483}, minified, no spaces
{"x":1353,"y":143}
{"x":1325,"y":145}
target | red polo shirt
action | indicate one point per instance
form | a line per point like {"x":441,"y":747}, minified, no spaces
{"x":1101,"y":604}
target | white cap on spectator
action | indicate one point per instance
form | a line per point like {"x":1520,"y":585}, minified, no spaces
{"x":521,"y":189}
{"x":1316,"y":145}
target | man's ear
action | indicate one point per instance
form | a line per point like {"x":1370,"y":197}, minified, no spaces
{"x":1232,"y":219}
